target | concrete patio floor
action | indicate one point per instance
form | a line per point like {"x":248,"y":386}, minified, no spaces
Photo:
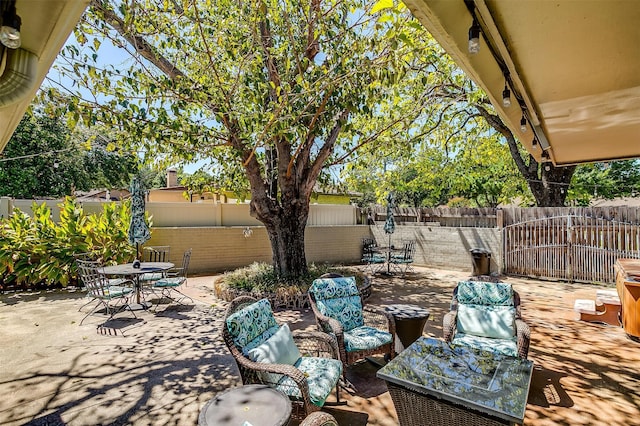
{"x":161,"y":368}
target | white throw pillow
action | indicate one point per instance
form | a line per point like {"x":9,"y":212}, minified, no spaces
{"x":277,"y":349}
{"x":497,"y":322}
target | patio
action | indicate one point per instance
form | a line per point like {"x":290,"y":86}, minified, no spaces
{"x":162,"y":368}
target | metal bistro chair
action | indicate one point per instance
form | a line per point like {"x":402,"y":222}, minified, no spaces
{"x":98,"y":288}
{"x":154,"y":254}
{"x":174,"y":279}
{"x":90,"y":256}
{"x":403,"y":261}
{"x":373,"y":260}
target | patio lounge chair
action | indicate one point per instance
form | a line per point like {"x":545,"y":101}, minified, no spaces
{"x":114,"y":298}
{"x":486,"y":315}
{"x":303,"y":365}
{"x":360,"y":331}
{"x":174,"y":279}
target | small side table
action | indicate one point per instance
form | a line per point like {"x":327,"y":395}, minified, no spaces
{"x":258,"y":405}
{"x":410,"y":321}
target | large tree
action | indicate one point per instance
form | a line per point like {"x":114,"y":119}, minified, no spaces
{"x":268,"y":90}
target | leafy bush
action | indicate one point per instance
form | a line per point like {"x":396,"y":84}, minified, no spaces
{"x":261,"y":277}
{"x":36,"y":251}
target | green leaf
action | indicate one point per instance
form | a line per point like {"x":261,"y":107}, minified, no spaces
{"x":382,"y":4}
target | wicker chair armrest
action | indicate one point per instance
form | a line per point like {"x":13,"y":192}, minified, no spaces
{"x":523,"y":334}
{"x":319,"y":419}
{"x":449,"y":325}
{"x":285,"y":369}
{"x":317,"y":344}
{"x":377,"y":317}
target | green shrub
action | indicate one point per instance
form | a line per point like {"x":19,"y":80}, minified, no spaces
{"x":36,"y":251}
{"x":261,"y":277}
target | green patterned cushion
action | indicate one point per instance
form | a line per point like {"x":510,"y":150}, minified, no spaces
{"x":339,"y":298}
{"x":364,"y":338}
{"x":117,"y":291}
{"x":497,"y":346}
{"x":483,"y":293}
{"x":497,"y":322}
{"x":322,"y":375}
{"x":252,"y":324}
{"x":169,"y":282}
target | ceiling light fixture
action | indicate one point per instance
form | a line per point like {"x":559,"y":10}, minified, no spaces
{"x":506,"y":96}
{"x":523,"y":123}
{"x":10,"y":31}
{"x":474,"y":38}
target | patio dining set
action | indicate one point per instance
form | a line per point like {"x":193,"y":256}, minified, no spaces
{"x":388,"y":259}
{"x":115,"y":288}
{"x":478,"y":373}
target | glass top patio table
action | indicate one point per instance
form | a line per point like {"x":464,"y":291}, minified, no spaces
{"x":492,"y":384}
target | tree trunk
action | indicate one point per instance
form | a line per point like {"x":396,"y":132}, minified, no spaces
{"x":549,"y":187}
{"x":286,"y":234}
{"x":553,"y":186}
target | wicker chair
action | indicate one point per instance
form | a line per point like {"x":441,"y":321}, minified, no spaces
{"x":319,"y":419}
{"x":249,"y":324}
{"x":360,"y":331}
{"x":485,"y":297}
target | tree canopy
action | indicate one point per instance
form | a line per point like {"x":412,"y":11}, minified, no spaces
{"x":44,"y":158}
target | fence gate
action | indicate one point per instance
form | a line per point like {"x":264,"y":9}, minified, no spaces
{"x":569,"y":247}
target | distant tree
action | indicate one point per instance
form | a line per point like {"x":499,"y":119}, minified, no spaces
{"x":40,"y":160}
{"x":605,"y":181}
{"x":44,"y":158}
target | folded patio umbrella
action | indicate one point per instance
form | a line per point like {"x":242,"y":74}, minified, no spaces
{"x":138,"y":230}
{"x":390,"y":223}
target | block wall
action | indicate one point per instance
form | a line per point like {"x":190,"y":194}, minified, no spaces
{"x":218,"y":249}
{"x":445,"y":247}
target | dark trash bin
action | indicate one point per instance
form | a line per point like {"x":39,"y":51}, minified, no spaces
{"x":481,"y":261}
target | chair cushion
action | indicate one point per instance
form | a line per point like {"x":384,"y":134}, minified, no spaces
{"x":322,"y":376}
{"x":365,"y":338}
{"x":169,"y":282}
{"x":507,"y":347}
{"x":117,"y":291}
{"x":277,"y":349}
{"x":151,"y":276}
{"x":485,"y":293}
{"x":252,"y":324}
{"x":339,"y":298}
{"x":497,"y":322}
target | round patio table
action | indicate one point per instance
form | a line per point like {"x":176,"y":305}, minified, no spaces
{"x":256,"y":405}
{"x":410,"y":321}
{"x":127,"y":270}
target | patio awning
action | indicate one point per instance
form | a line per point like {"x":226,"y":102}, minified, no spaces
{"x":46,"y":25}
{"x":574,"y":65}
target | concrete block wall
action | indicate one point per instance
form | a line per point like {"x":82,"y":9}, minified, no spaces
{"x":445,"y":247}
{"x":217,"y":249}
